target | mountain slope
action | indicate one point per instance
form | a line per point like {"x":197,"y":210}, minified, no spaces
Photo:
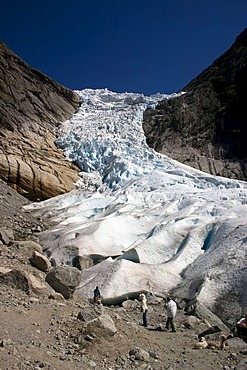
{"x":206,"y":128}
{"x":31,"y":106}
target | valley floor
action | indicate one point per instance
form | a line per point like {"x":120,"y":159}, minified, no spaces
{"x":43,"y":333}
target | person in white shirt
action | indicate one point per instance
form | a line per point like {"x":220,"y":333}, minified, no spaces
{"x":171,"y":310}
{"x":144,"y":309}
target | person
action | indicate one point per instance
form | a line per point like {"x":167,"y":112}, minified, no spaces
{"x":97,"y":295}
{"x":144,"y":309}
{"x":241,"y":327}
{"x":171,"y":309}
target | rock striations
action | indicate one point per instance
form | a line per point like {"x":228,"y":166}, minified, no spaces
{"x":206,"y":127}
{"x":31,"y":106}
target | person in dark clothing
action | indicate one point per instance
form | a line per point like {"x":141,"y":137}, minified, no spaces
{"x":97,"y":295}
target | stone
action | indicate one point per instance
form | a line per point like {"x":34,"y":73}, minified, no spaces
{"x":130,"y":304}
{"x":40,"y":261}
{"x":81,"y":262}
{"x":139,"y":354}
{"x":216,"y":325}
{"x":87,"y":314}
{"x":64,"y":280}
{"x":20,"y":279}
{"x":103,"y":322}
{"x":191,"y":322}
{"x":6,"y":236}
{"x":27,"y":247}
{"x":56,"y":296}
{"x":16,"y":279}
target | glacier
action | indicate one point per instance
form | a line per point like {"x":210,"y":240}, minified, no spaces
{"x":149,"y":223}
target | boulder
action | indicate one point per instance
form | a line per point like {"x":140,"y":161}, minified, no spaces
{"x":27,"y":247}
{"x":40,"y":261}
{"x":56,"y":297}
{"x":64,"y":280}
{"x":82,"y":263}
{"x":87,"y":314}
{"x":139,"y":354}
{"x":15,"y":279}
{"x":130,"y":304}
{"x":20,"y":279}
{"x":6,"y":236}
{"x":191,"y":322}
{"x":104,"y":323}
{"x":216,"y":325}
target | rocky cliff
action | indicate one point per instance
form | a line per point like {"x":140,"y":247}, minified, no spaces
{"x":206,"y":127}
{"x":31,"y":106}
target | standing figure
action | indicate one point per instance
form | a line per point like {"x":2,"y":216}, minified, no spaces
{"x":171,"y":309}
{"x":144,"y":309}
{"x":97,"y":295}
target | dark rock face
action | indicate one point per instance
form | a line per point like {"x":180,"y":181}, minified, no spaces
{"x":31,"y":106}
{"x":206,"y":127}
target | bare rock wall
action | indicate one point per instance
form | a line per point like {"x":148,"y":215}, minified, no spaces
{"x":31,"y":108}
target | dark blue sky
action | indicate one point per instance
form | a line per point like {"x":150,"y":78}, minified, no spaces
{"x":124,"y":45}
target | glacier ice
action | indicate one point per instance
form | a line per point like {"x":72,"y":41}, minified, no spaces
{"x":149,"y":223}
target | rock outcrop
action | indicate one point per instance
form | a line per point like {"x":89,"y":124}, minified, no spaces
{"x":206,"y":127}
{"x":31,"y":106}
